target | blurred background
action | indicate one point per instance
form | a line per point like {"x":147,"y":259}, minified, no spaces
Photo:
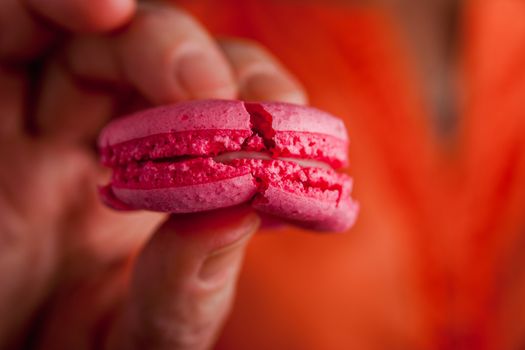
{"x":433,"y":95}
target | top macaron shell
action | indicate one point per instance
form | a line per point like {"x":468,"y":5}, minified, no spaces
{"x":219,"y":114}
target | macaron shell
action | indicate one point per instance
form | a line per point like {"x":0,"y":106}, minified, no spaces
{"x":315,"y":198}
{"x":222,"y":115}
{"x":302,"y":210}
{"x":185,"y":116}
{"x":192,"y":198}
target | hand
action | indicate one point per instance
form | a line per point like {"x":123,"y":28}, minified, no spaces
{"x":74,"y":273}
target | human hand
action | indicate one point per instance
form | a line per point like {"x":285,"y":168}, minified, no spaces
{"x":75,"y":274}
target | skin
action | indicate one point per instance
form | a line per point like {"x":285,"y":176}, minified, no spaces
{"x":74,"y":273}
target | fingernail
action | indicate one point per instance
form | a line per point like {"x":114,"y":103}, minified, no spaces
{"x":266,"y":86}
{"x":203,"y":76}
{"x":225,"y":261}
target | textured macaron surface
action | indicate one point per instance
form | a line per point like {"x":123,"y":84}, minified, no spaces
{"x":213,"y":127}
{"x":204,"y":155}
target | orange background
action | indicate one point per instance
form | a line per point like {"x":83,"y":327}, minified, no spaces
{"x":436,"y":258}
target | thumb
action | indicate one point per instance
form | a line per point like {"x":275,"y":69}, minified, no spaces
{"x":184,"y":280}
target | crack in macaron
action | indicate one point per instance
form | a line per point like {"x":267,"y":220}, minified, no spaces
{"x":204,"y":155}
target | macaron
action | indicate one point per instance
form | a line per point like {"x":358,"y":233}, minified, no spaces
{"x":209,"y":154}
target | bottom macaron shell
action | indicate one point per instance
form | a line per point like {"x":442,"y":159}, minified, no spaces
{"x":193,"y":198}
{"x":300,"y":209}
{"x":315,"y":198}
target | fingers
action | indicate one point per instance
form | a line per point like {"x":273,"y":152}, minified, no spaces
{"x":69,"y":111}
{"x":170,"y":57}
{"x":85,"y":15}
{"x":164,"y":53}
{"x":24,"y":35}
{"x":94,"y":59}
{"x":12,"y":91}
{"x":259,"y":75}
{"x":184,"y":280}
{"x":21,"y":36}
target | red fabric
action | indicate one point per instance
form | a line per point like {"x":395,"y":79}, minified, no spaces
{"x":436,"y":259}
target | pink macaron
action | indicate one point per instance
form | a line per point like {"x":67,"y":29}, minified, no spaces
{"x":204,"y":155}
